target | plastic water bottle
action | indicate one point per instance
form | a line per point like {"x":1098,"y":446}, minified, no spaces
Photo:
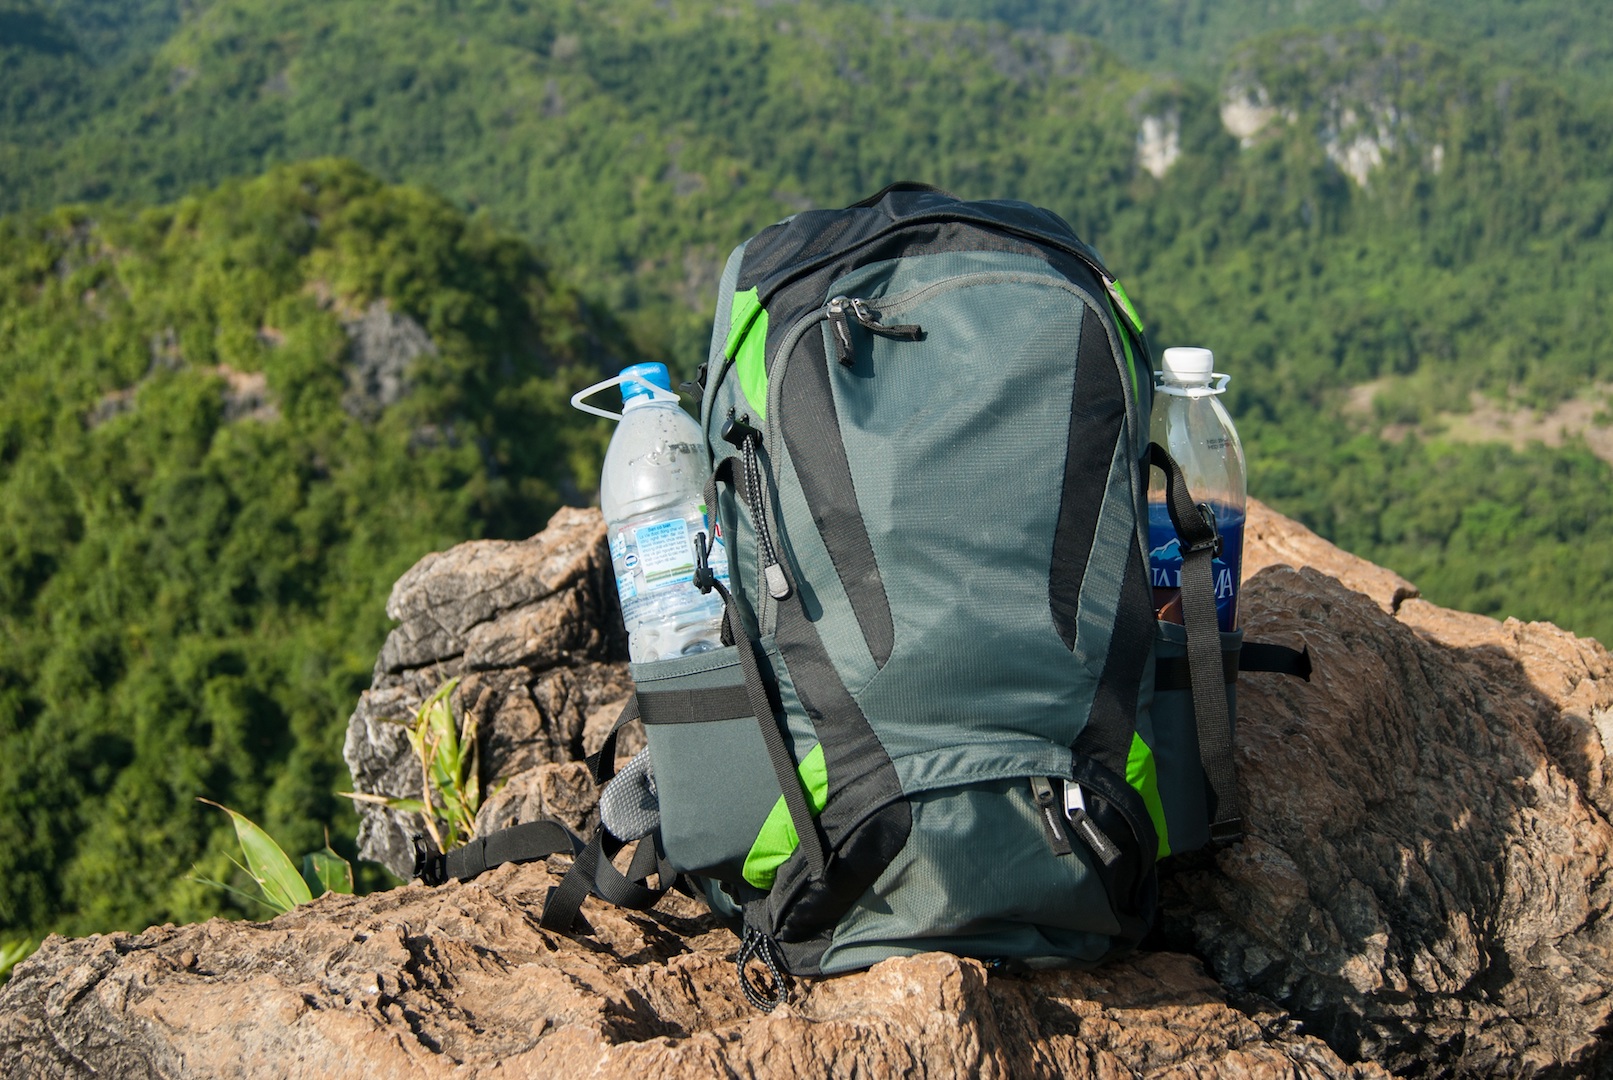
{"x":652,"y":493}
{"x":1194,"y":427}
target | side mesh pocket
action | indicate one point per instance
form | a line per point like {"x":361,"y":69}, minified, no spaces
{"x":713,"y":779}
{"x":1179,"y":797}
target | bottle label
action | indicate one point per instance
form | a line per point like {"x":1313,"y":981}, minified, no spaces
{"x":664,"y":612}
{"x":624,"y":562}
{"x":1165,"y":561}
{"x":665,"y":555}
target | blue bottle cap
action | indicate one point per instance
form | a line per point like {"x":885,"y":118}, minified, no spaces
{"x":655,"y":374}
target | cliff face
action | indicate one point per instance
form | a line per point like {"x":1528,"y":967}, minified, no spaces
{"x":1425,"y":886}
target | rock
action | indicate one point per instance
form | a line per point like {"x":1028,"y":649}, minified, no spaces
{"x":461,"y":981}
{"x":382,"y":347}
{"x":1424,"y":886}
{"x":1426,"y":877}
{"x":531,"y":629}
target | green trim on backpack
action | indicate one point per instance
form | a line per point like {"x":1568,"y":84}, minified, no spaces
{"x":1125,"y":338}
{"x":1143,"y":775}
{"x":1118,"y":291}
{"x":746,"y":347}
{"x":778,"y":839}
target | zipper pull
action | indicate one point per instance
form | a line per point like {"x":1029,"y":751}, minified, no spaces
{"x":870,"y":319}
{"x":1075,"y":808}
{"x":841,"y":309}
{"x":842,"y":332}
{"x":1047,"y":806}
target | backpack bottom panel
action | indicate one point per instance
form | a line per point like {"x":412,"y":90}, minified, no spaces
{"x":979,"y":877}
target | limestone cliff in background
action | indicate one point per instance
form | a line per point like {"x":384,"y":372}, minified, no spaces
{"x":1425,"y":887}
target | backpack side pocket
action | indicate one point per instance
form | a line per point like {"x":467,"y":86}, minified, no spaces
{"x":1180,"y":798}
{"x":713,"y":778}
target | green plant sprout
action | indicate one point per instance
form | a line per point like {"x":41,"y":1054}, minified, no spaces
{"x":280,"y":886}
{"x":13,"y":953}
{"x":450,"y":772}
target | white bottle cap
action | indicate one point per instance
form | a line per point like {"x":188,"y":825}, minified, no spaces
{"x":1188,"y":366}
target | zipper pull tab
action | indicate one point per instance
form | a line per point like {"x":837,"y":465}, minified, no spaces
{"x":842,"y":309}
{"x":870,"y":320}
{"x":1075,"y":808}
{"x":1047,"y":806}
{"x":842,"y":331}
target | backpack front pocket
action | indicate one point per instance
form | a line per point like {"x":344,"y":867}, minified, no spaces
{"x":714,"y":781}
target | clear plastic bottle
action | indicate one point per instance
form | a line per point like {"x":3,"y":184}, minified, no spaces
{"x":1194,"y":427}
{"x":652,"y":493}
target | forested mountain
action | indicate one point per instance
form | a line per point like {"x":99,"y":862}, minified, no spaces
{"x":228,"y":425}
{"x":1356,"y":214}
{"x":1196,"y":36}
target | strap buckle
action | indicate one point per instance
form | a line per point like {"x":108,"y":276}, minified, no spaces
{"x":1211,"y":543}
{"x":704,"y":578}
{"x":430,"y":866}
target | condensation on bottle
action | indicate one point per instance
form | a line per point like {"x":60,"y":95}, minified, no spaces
{"x":1190,"y":422}
{"x":652,"y":494}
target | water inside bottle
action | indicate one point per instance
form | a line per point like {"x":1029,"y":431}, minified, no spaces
{"x":1165,"y":563}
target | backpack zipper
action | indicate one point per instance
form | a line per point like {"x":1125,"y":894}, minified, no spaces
{"x":738,"y":432}
{"x":1048,"y":808}
{"x":842,"y":309}
{"x":1075,"y":809}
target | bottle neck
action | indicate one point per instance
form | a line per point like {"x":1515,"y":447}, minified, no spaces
{"x":1215,"y":386}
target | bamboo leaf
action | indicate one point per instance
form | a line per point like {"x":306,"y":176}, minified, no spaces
{"x":233,"y":891}
{"x":327,"y":871}
{"x":366,"y":797}
{"x":283,"y":887}
{"x":13,"y":953}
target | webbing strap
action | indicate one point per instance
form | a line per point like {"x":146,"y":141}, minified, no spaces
{"x":1266,"y":656}
{"x":1171,"y":672}
{"x":525,"y":842}
{"x":1195,"y":529}
{"x":693,"y":706}
{"x":602,"y":762}
{"x":592,"y":872}
{"x":766,"y":713}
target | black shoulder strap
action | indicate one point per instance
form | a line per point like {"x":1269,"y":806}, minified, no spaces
{"x":591,"y":871}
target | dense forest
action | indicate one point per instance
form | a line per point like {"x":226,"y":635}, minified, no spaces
{"x":1196,"y":36}
{"x":1379,"y":226}
{"x":215,"y":459}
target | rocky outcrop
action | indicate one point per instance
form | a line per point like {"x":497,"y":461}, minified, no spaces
{"x":532,"y":631}
{"x":1426,"y":883}
{"x":382,"y":346}
{"x":461,"y":981}
{"x":1424,"y":888}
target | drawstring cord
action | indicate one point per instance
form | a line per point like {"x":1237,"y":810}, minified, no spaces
{"x":764,"y":996}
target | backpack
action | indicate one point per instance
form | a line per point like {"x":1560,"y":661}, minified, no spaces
{"x":946,"y":718}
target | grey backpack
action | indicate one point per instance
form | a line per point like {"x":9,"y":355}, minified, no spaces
{"x":948,"y":718}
